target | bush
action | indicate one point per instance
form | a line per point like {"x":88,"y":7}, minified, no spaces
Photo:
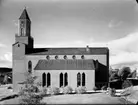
{"x":104,"y":88}
{"x":67,"y":90}
{"x":61,"y":89}
{"x":111,"y":91}
{"x":9,"y":87}
{"x":80,"y":90}
{"x":43,"y":90}
{"x":126,"y":84}
{"x":53,"y":90}
{"x":95,"y":88}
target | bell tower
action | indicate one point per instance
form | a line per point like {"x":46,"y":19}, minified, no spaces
{"x":24,"y":30}
{"x":24,"y":24}
{"x":23,"y":44}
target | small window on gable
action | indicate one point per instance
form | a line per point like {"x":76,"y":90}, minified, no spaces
{"x":65,"y":57}
{"x":82,"y":57}
{"x":56,"y":57}
{"x":47,"y":57}
{"x":73,"y":57}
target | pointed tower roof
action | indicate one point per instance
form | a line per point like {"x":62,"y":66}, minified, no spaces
{"x":24,"y":15}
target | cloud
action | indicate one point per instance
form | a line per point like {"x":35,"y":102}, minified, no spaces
{"x":114,"y":23}
{"x":6,"y":59}
{"x":2,"y":45}
{"x":123,"y":51}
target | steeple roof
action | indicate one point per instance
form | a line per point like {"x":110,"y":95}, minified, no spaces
{"x":24,"y":15}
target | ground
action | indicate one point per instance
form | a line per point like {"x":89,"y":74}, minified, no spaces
{"x":94,"y":98}
{"x":89,"y":98}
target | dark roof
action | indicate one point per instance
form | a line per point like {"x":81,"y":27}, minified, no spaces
{"x":68,"y":51}
{"x":62,"y":64}
{"x":24,"y":15}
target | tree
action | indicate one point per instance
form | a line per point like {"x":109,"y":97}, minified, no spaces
{"x":113,"y":76}
{"x":133,"y":74}
{"x":5,"y":80}
{"x":29,"y":93}
{"x":124,"y":72}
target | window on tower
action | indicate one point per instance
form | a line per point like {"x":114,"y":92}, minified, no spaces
{"x":29,"y":66}
{"x":22,"y":28}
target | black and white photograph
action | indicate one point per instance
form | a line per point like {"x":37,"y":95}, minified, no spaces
{"x":68,"y":52}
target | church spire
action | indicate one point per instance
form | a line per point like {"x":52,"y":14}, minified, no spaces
{"x":24,"y":24}
{"x":24,"y":15}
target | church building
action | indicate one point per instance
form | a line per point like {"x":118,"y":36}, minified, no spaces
{"x":57,"y":67}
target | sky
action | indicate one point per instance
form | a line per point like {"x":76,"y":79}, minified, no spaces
{"x":74,"y":23}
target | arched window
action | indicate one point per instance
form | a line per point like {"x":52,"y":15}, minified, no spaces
{"x":78,"y":79}
{"x":65,"y":79}
{"x":48,"y":79}
{"x":83,"y":79}
{"x":65,"y":57}
{"x":43,"y":79}
{"x":29,"y":66}
{"x":61,"y":79}
{"x":73,"y":57}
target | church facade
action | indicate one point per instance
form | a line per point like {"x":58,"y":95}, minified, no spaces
{"x":57,"y":67}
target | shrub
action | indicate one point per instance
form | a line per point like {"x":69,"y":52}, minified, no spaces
{"x":61,"y":89}
{"x":43,"y":90}
{"x":111,"y":91}
{"x":126,"y":84}
{"x":95,"y":88}
{"x":9,"y":87}
{"x":53,"y":90}
{"x":67,"y":90}
{"x":80,"y":90}
{"x":104,"y":88}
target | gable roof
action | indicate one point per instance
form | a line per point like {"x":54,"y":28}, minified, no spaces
{"x":68,"y":51}
{"x":62,"y":64}
{"x":24,"y":15}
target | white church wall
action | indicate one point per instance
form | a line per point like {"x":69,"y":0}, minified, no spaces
{"x":72,"y":77}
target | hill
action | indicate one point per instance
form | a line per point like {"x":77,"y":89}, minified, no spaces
{"x":5,"y":70}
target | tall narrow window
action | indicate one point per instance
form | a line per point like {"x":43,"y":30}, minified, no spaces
{"x":83,"y":79}
{"x":43,"y":79}
{"x":78,"y":79}
{"x":61,"y":79}
{"x":29,"y":66}
{"x":48,"y":79}
{"x":65,"y":79}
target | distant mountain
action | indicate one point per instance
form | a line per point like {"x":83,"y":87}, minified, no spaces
{"x":5,"y":70}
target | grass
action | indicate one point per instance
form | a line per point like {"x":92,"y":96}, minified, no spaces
{"x":88,"y":98}
{"x":95,"y":98}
